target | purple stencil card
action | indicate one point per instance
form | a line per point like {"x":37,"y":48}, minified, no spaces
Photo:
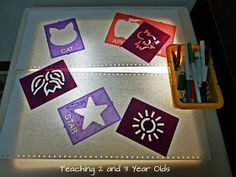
{"x":47,"y":84}
{"x":148,"y":126}
{"x":63,"y":37}
{"x":146,"y":41}
{"x":81,"y":121}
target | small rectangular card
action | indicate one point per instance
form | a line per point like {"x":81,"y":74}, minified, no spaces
{"x":47,"y":84}
{"x":146,"y":41}
{"x":63,"y":37}
{"x":124,"y":25}
{"x":148,"y":126}
{"x":88,"y":115}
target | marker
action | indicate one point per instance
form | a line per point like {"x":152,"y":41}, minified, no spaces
{"x":194,"y":73}
{"x":203,"y":92}
{"x":204,"y":70}
{"x":181,"y":85}
{"x":174,"y":60}
{"x":198,"y":67}
{"x":181,"y":81}
{"x":207,"y":59}
{"x":187,"y":74}
{"x":203,"y":60}
{"x":178,"y":55}
{"x":192,"y":91}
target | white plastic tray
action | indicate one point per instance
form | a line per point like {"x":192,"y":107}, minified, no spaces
{"x":40,"y":133}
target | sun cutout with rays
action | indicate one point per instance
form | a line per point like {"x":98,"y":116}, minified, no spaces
{"x":148,"y":126}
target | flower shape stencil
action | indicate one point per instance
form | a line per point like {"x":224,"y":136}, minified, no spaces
{"x":54,"y":78}
{"x":47,"y":84}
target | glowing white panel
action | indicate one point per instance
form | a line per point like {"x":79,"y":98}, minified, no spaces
{"x":40,"y":133}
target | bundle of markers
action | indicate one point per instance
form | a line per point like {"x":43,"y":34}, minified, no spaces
{"x":192,"y":68}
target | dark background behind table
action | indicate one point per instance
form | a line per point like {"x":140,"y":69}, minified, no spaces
{"x":213,"y":20}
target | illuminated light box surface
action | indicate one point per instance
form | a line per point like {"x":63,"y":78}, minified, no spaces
{"x":40,"y":133}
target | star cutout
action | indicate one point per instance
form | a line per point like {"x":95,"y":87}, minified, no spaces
{"x":92,"y":113}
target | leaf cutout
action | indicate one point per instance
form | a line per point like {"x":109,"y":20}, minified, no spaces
{"x":54,"y":77}
{"x":37,"y":84}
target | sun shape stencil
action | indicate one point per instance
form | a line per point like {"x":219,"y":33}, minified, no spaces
{"x":148,"y":126}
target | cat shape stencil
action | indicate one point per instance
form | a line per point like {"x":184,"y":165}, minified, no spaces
{"x":63,"y":37}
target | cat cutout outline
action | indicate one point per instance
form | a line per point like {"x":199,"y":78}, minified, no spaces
{"x":63,"y":36}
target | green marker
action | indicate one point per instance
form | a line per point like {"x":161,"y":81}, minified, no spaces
{"x":194,"y":72}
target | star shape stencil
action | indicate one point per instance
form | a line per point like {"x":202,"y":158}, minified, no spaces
{"x":92,"y":113}
{"x":88,"y":115}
